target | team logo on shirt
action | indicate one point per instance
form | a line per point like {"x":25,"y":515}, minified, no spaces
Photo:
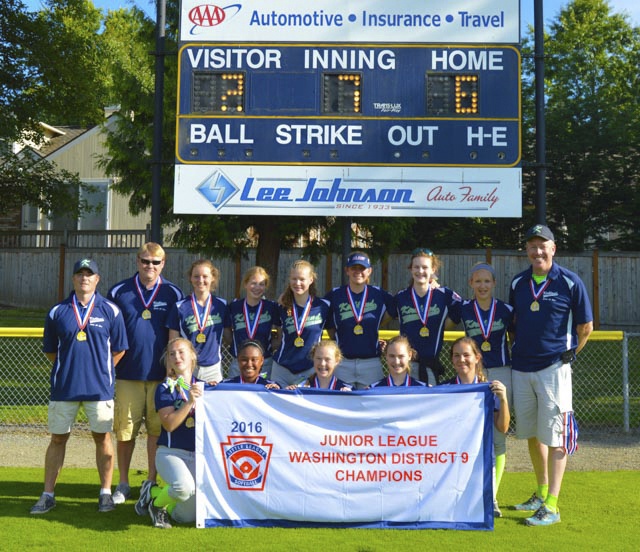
{"x":246,"y":462}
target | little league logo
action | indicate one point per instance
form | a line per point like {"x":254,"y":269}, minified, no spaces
{"x":246,"y":461}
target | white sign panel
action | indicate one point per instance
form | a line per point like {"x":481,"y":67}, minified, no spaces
{"x":426,"y":21}
{"x":348,"y":191}
{"x":416,"y":458}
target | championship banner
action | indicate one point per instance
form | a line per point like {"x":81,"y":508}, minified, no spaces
{"x":401,"y":458}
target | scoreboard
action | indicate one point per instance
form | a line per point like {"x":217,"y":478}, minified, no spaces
{"x":400,"y":104}
{"x":340,"y":106}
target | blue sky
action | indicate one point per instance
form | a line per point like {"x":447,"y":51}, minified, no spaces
{"x":551,"y":8}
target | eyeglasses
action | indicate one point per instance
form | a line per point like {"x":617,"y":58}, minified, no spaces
{"x":148,"y":262}
{"x":422,"y":251}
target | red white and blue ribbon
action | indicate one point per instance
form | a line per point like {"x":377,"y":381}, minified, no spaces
{"x":251,"y":329}
{"x":358,"y":314}
{"x":83,"y":320}
{"x":154,"y":291}
{"x":201,"y":321}
{"x":486,"y":330}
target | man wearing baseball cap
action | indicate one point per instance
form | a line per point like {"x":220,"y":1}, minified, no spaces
{"x":553,"y":321}
{"x":84,"y":338}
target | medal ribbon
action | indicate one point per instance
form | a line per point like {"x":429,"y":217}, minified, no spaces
{"x":154,"y":291}
{"x":360,"y":314}
{"x":332,"y":383}
{"x":536,"y":296}
{"x":251,"y":330}
{"x":391,"y":384}
{"x":82,"y":321}
{"x":201,"y":322}
{"x":486,"y":332}
{"x":423,"y":315}
{"x":475,"y":380}
{"x":299,"y":325}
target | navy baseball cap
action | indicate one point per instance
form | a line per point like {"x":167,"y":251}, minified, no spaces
{"x":358,"y":259}
{"x":539,"y":231}
{"x":89,"y":264}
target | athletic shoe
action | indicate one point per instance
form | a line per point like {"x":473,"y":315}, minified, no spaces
{"x":159,"y":517}
{"x":531,"y":505}
{"x":543,"y":516}
{"x":45,"y":503}
{"x":496,"y":509}
{"x":106,"y":503}
{"x":142,"y":506}
{"x":122,"y":493}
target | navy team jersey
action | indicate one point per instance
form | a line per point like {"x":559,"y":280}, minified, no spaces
{"x":183,"y":320}
{"x":364,"y":344}
{"x":445,"y":303}
{"x":296,"y":359}
{"x":83,"y":370}
{"x":147,"y":338}
{"x":547,"y":330}
{"x":183,"y":437}
{"x":498,"y":355}
{"x":269,"y":317}
{"x":408,"y":382}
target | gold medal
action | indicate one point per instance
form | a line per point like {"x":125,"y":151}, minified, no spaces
{"x":535,"y":306}
{"x":424,"y":331}
{"x":81,"y":336}
{"x":358,"y":330}
{"x":486,"y":346}
{"x":146,"y":314}
{"x":299,"y":342}
{"x":190,"y":422}
{"x":201,"y":338}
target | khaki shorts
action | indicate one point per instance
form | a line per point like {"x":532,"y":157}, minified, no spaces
{"x":541,"y":401}
{"x":62,"y":414}
{"x":135,"y":402}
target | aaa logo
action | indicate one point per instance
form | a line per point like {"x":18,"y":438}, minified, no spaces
{"x":246,"y":462}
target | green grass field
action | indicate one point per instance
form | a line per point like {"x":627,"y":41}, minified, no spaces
{"x":599,"y":512}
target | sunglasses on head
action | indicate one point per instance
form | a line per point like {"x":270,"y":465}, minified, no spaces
{"x":422,"y":251}
{"x":150,"y":262}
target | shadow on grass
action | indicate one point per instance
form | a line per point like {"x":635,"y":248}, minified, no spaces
{"x":76,"y":506}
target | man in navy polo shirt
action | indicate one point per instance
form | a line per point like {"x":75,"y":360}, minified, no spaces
{"x":145,"y":300}
{"x":84,"y":337}
{"x":553,"y":321}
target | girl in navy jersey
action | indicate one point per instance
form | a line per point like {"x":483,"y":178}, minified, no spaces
{"x":424,"y":312}
{"x":253,"y":317}
{"x":358,"y":310}
{"x":200,"y":319}
{"x":302,"y":317}
{"x":398,"y":354}
{"x":486,"y":320}
{"x":326,"y":356}
{"x":250,"y":364}
{"x":175,"y":459}
{"x":466,"y":358}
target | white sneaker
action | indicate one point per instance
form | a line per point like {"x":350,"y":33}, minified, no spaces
{"x":122,"y":493}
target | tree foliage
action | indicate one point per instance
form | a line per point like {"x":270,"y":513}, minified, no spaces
{"x":593,"y":126}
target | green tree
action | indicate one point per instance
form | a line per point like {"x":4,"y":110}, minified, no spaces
{"x":593,"y":125}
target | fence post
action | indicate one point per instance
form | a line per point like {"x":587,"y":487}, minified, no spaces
{"x":61,"y":263}
{"x":625,"y":381}
{"x":596,"y":289}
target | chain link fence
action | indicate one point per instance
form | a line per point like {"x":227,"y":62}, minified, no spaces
{"x":606,"y":380}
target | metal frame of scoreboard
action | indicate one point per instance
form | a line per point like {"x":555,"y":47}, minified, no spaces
{"x":346,"y":128}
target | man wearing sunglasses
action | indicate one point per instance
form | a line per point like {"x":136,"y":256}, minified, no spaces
{"x":145,"y":301}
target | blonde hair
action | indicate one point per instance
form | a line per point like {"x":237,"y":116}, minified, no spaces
{"x":215,"y":273}
{"x":287,"y":297}
{"x":327,"y":344}
{"x":165,"y":354}
{"x":152,"y":248}
{"x":403,"y":341}
{"x":482,"y":378}
{"x":255,"y":271}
